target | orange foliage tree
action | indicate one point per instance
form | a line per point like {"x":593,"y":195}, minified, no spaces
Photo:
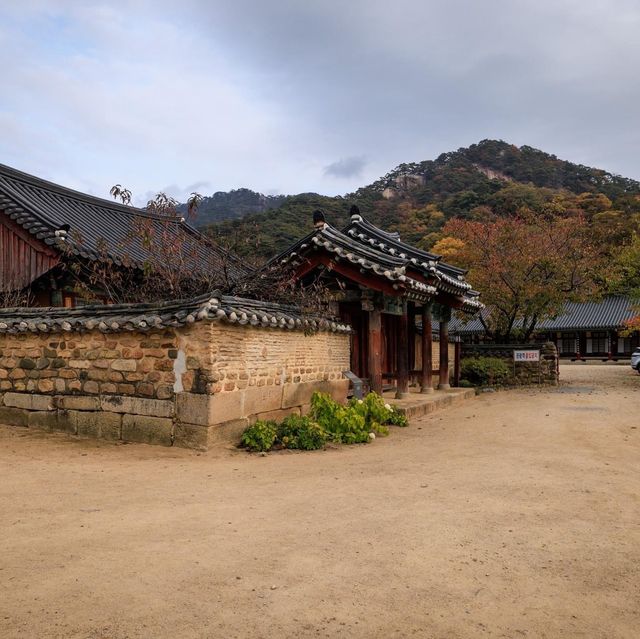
{"x":526,"y":267}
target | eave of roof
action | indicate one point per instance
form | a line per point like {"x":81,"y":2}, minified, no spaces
{"x":379,"y":252}
{"x":46,"y":210}
{"x":608,"y":314}
{"x":146,"y":317}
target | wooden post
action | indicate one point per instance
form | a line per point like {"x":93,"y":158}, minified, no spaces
{"x":375,"y":351}
{"x":402,"y":388}
{"x":411,"y":339}
{"x":426,"y":381}
{"x":456,"y":363}
{"x":444,"y":357}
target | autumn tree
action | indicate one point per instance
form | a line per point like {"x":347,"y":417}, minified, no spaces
{"x":526,"y":267}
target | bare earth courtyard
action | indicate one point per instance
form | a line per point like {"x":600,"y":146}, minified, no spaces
{"x":516,"y":514}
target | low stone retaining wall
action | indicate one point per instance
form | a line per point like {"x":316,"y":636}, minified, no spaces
{"x":189,"y":375}
{"x":521,"y":373}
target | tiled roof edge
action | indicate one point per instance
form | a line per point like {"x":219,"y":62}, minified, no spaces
{"x":170,"y":314}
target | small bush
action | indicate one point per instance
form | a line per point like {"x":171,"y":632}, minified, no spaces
{"x":377,"y":413}
{"x":302,"y":433}
{"x":484,"y":371}
{"x":328,"y":421}
{"x":260,"y":436}
{"x":343,"y":424}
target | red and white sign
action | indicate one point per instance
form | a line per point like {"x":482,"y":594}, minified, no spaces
{"x":526,"y":356}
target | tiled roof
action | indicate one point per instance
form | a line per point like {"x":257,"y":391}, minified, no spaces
{"x":90,"y":226}
{"x":608,"y":314}
{"x":372,"y":249}
{"x":145,"y":317}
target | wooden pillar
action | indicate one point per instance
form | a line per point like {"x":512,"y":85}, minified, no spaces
{"x":456,"y":363}
{"x":426,"y":380}
{"x":444,"y":357}
{"x":402,"y":388}
{"x":375,"y":351}
{"x":411,"y":340}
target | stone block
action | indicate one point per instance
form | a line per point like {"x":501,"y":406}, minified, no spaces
{"x":305,"y":409}
{"x":137,"y":405}
{"x":29,"y":401}
{"x":147,"y":430}
{"x":43,"y":419}
{"x":194,"y":408}
{"x":192,"y":436}
{"x":123,"y":365}
{"x":227,"y":432}
{"x":13,"y":416}
{"x":299,"y":394}
{"x":97,"y":425}
{"x":260,"y":400}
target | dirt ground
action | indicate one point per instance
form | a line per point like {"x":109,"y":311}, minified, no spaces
{"x":516,"y":514}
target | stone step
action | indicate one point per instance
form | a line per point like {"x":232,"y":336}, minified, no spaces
{"x":420,"y":405}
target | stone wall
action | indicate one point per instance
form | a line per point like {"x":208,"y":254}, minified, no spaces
{"x":187,"y":386}
{"x":522,"y":373}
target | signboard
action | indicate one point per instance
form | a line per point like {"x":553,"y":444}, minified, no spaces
{"x":526,"y":356}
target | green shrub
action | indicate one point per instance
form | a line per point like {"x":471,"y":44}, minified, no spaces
{"x":397,"y":418}
{"x":301,"y":432}
{"x":377,"y":413}
{"x":484,"y":371}
{"x":328,"y":421}
{"x":260,"y":436}
{"x":343,"y":424}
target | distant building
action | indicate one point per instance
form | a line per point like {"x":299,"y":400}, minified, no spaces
{"x":587,"y":330}
{"x":45,"y":228}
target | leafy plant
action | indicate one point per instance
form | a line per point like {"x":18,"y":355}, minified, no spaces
{"x":301,"y":432}
{"x":343,"y":424}
{"x":378,"y":413}
{"x":260,"y":436}
{"x":484,"y":371}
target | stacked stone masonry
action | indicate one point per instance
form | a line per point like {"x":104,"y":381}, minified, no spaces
{"x":521,"y":373}
{"x":186,"y":386}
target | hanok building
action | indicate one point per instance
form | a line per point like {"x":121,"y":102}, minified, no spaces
{"x":383,"y":288}
{"x":585,"y":330}
{"x":46,"y":228}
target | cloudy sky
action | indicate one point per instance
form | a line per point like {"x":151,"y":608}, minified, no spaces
{"x":284,"y":96}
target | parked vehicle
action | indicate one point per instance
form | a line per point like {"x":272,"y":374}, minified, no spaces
{"x":635,"y":360}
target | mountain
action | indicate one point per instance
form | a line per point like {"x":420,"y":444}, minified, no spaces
{"x":487,"y":179}
{"x":236,"y":203}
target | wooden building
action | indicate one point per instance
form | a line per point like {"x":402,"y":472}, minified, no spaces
{"x":384,"y":288}
{"x":586,"y":330}
{"x":46,"y":228}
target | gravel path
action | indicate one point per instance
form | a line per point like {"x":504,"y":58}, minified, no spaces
{"x":514,"y":515}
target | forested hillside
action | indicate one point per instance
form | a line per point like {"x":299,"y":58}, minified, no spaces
{"x":487,"y":180}
{"x":233,"y":204}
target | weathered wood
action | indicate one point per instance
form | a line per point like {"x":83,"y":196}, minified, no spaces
{"x":402,"y":388}
{"x":456,"y":363}
{"x":444,"y":357}
{"x":23,"y":258}
{"x":426,"y":380}
{"x":375,"y":351}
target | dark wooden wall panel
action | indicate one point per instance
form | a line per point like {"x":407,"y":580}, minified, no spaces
{"x":23,"y":258}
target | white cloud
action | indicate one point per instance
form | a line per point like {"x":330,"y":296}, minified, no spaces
{"x":268,"y":94}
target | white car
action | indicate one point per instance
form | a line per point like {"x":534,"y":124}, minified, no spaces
{"x":635,"y":360}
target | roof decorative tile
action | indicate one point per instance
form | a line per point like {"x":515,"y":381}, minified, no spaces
{"x":382,"y":253}
{"x":146,"y":317}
